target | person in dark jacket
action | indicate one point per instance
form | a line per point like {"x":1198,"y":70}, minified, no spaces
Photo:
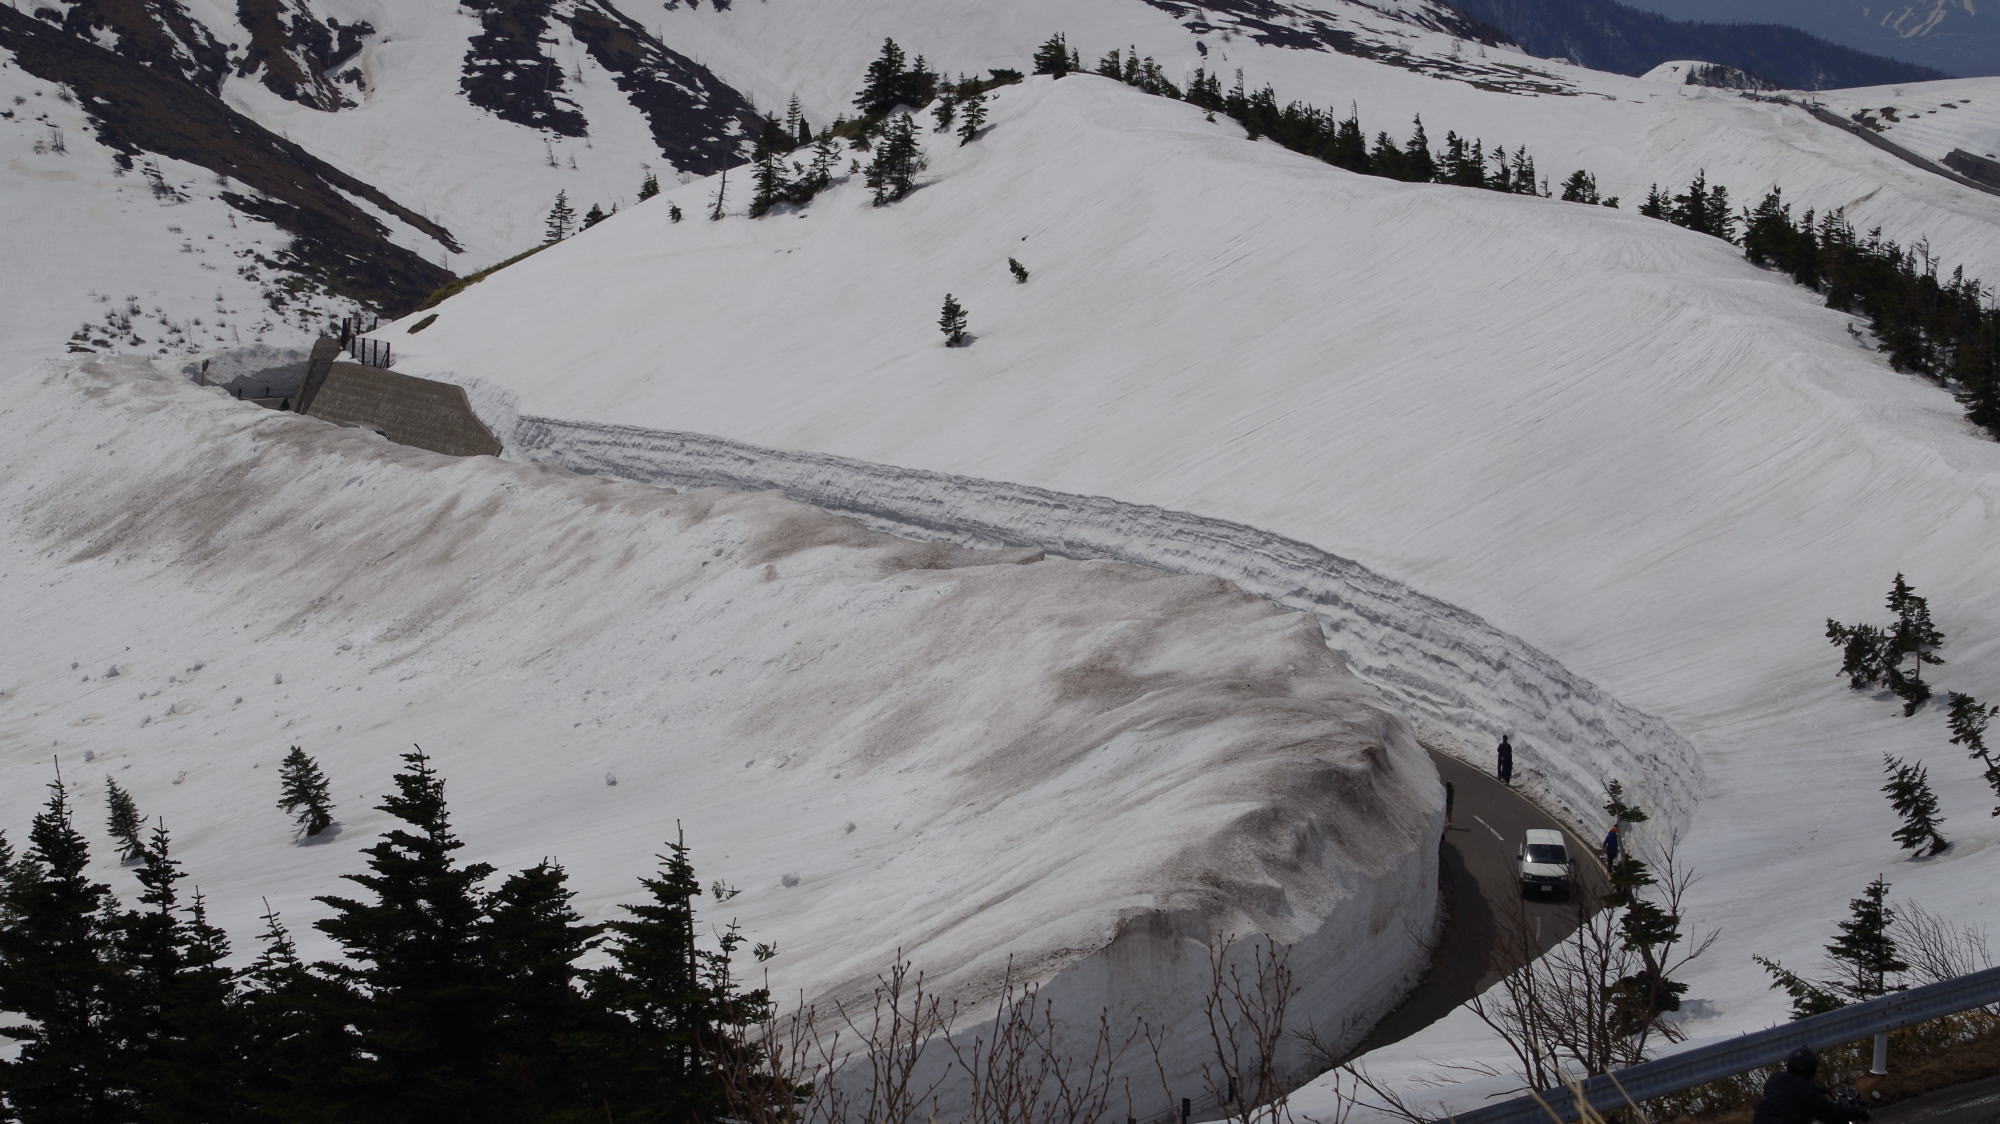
{"x":1506,"y":768}
{"x":1790,"y":1097}
{"x":1611,"y":847}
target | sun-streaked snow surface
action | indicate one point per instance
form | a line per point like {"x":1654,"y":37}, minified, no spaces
{"x":1087,"y":769}
{"x":1609,"y":436}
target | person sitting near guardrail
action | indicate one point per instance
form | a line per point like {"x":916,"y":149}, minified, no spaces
{"x":1790,"y":1097}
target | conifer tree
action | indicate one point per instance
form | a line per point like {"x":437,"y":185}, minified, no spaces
{"x":1418,"y":165}
{"x":304,"y":793}
{"x":416,"y":958}
{"x":561,"y":217}
{"x":649,"y":187}
{"x":1909,"y":791}
{"x":679,"y":1009}
{"x":974,"y":119}
{"x":892,"y":173}
{"x":1861,"y":651}
{"x":1019,"y":271}
{"x":593,"y":216}
{"x":818,"y":174}
{"x":1910,"y":636}
{"x":796,"y":132}
{"x":951,"y":321}
{"x":298,"y":1045}
{"x":673,"y":212}
{"x":1053,"y":57}
{"x":1968,"y":720}
{"x":534,"y":938}
{"x":945,"y":111}
{"x":1581,"y":187}
{"x":715,"y":211}
{"x":124,"y":822}
{"x":1865,"y":952}
{"x":884,"y":83}
{"x":177,"y":1015}
{"x":58,"y":979}
{"x":769,"y":183}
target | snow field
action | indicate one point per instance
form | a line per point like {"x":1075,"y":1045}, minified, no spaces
{"x":978,"y":758}
{"x":1609,"y":437}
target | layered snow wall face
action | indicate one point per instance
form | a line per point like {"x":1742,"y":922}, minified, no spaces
{"x":1004,"y":765}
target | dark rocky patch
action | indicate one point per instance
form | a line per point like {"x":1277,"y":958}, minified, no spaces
{"x":295,"y":54}
{"x":699,"y":122}
{"x":139,"y":109}
{"x":157,"y":33}
{"x":507,"y":74}
{"x":1297,"y":27}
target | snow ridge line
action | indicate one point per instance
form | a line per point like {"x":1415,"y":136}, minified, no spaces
{"x":1460,"y":681}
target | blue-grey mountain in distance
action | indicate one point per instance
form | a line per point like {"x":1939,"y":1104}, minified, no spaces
{"x":1606,"y":35}
{"x":1959,"y":37}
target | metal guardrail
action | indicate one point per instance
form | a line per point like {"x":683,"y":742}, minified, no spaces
{"x":1751,"y":1051}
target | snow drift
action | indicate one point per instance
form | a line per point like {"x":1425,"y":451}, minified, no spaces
{"x":1080,"y":774}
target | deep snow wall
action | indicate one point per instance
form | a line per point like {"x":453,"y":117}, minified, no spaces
{"x":1000,"y":766}
{"x":1461,"y":681}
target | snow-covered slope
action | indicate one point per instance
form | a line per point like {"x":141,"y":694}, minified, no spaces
{"x":1090,"y":771}
{"x":599,"y":96}
{"x":1609,"y":436}
{"x":1929,"y":118}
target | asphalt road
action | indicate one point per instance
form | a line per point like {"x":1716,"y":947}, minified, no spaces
{"x":1483,"y":899}
{"x":1976,"y":1102}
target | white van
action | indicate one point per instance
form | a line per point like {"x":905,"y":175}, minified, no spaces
{"x":1543,"y":864}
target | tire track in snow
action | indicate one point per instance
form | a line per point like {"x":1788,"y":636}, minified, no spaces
{"x":1460,"y":681}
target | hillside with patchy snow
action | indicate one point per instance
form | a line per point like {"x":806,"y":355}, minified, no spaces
{"x":467,"y":121}
{"x":1610,"y":437}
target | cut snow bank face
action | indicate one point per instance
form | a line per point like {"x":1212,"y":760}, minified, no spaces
{"x":1612,"y":438}
{"x":1083,"y":773}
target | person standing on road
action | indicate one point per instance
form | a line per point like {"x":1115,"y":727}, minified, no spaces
{"x":1611,"y":847}
{"x":1506,"y":753}
{"x":1790,"y":1097}
{"x":1447,"y":805}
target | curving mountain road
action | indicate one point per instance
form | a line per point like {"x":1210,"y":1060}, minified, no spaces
{"x":1477,"y":880}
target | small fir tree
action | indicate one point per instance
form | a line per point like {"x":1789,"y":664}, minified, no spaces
{"x":944,"y":111}
{"x":721,"y":193}
{"x":125,"y":823}
{"x":1909,"y":791}
{"x":649,"y":187}
{"x":593,"y":216}
{"x":1968,"y":719}
{"x":534,"y":938}
{"x":673,"y":212}
{"x":561,"y":218}
{"x":304,"y":793}
{"x":974,"y":118}
{"x":951,"y":321}
{"x":1865,"y":953}
{"x":1053,"y":57}
{"x":892,"y":173}
{"x":1911,"y":636}
{"x":770,"y":183}
{"x":1019,"y":271}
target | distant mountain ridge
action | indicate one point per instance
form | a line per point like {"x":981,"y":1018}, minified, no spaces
{"x":1953,"y":35}
{"x":1608,"y":36}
